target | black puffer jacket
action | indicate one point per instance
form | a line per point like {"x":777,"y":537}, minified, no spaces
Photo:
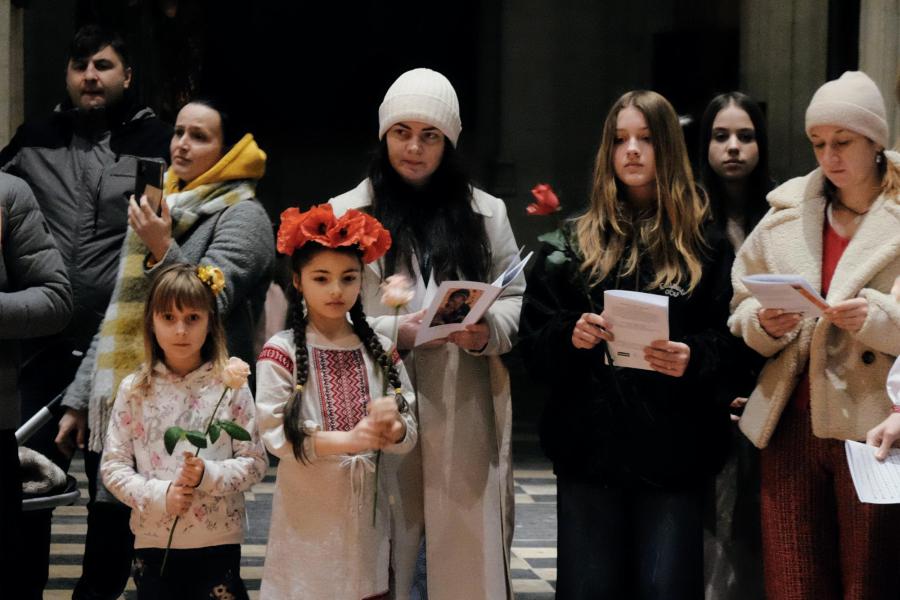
{"x":35,"y":298}
{"x":620,"y":426}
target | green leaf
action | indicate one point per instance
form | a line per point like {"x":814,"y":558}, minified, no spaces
{"x":172,"y":436}
{"x":555,"y":239}
{"x":196,"y":438}
{"x":235,"y":431}
{"x":557,"y":258}
{"x":214,"y":432}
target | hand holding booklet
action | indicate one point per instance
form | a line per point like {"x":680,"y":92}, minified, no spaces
{"x":876,"y":482}
{"x":637,"y":319}
{"x":790,"y":293}
{"x":460,"y":303}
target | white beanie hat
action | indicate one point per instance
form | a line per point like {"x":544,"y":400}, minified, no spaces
{"x":421,"y":95}
{"x":851,"y":101}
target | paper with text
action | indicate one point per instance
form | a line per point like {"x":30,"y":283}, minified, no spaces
{"x":875,"y":482}
{"x":460,"y":303}
{"x":791,"y":293}
{"x":637,"y":319}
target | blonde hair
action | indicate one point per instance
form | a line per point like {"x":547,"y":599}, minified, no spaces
{"x":179,"y":286}
{"x":672,"y":235}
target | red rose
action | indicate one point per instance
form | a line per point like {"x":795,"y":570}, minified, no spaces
{"x":546,"y":201}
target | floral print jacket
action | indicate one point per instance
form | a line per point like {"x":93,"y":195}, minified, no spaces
{"x":137,"y":469}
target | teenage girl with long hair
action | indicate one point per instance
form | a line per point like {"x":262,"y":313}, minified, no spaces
{"x":631,"y":448}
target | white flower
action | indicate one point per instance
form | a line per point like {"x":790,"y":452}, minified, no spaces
{"x":235,"y":373}
{"x":397,"y":291}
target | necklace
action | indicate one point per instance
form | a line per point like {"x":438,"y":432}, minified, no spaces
{"x":847,"y":208}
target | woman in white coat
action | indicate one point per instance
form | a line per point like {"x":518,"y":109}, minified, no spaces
{"x":456,"y":487}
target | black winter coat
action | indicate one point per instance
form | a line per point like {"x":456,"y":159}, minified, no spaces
{"x":630,"y":427}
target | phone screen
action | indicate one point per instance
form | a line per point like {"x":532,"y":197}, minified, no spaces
{"x":148,"y":181}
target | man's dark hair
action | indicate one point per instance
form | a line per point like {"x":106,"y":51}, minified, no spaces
{"x":91,"y":39}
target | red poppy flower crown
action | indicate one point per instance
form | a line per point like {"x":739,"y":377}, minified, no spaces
{"x":319,"y":225}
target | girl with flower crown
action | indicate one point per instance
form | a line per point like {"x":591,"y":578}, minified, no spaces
{"x":181,"y":382}
{"x":324,"y":411}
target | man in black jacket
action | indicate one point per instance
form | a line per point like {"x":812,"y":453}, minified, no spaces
{"x":80,"y":161}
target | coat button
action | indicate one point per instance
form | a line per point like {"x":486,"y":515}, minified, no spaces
{"x":868,"y":357}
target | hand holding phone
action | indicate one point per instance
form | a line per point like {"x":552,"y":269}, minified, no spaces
{"x":148,"y":181}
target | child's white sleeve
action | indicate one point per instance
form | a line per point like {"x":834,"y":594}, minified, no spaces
{"x":249,"y":462}
{"x":409,"y":417}
{"x":117,"y":466}
{"x":274,"y":387}
{"x":893,"y":382}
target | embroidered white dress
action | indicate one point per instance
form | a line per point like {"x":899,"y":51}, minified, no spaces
{"x":322,"y":543}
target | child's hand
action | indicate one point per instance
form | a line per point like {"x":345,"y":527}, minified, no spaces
{"x":178,"y":499}
{"x":191,"y":471}
{"x":367,"y":435}
{"x":386,"y":416}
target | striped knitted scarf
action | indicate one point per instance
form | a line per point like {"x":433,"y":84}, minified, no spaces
{"x":120,"y":348}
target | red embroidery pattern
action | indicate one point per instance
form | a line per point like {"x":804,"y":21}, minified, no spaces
{"x":343,"y":387}
{"x":277,"y":356}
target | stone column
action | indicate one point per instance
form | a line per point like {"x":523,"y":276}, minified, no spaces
{"x":783,"y":61}
{"x":879,"y":53}
{"x":12,"y":95}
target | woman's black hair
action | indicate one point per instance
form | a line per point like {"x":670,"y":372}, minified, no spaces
{"x":435,"y":222}
{"x":231,"y":133}
{"x":293,"y":427}
{"x":759,"y":182}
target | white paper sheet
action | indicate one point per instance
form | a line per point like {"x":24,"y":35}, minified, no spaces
{"x":876,"y":482}
{"x":791,"y":293}
{"x":638,"y":319}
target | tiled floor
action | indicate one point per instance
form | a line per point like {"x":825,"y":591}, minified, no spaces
{"x":534,"y":545}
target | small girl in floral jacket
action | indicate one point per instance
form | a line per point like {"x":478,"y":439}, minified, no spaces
{"x":180,"y":384}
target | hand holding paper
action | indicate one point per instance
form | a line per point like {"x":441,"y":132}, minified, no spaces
{"x":640,"y":320}
{"x":790,"y":293}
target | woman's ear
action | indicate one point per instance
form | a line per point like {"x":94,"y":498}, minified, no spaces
{"x":296,"y":281}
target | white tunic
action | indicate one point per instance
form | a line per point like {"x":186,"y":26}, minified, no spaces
{"x":322,"y":543}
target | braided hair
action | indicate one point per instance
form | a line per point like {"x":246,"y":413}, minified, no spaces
{"x":293,"y":428}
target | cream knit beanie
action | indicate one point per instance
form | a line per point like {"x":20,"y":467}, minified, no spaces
{"x":851,"y":101}
{"x":421,"y":95}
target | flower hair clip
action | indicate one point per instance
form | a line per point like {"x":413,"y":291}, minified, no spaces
{"x":319,"y":225}
{"x":213,"y":277}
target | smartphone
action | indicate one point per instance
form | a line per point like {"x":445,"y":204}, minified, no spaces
{"x":148,"y":181}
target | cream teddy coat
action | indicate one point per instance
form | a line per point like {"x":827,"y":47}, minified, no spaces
{"x":847,"y":370}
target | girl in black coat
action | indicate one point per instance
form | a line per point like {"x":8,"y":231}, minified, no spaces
{"x":631,"y":447}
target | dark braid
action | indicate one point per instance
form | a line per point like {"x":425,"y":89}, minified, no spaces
{"x":293,"y":429}
{"x":370,"y":340}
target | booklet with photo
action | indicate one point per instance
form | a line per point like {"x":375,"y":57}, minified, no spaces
{"x":638,"y":319}
{"x":460,"y":303}
{"x":790,"y":293}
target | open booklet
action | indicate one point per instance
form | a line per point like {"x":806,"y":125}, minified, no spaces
{"x":791,"y":293}
{"x":638,"y":319}
{"x":876,"y":482}
{"x":460,"y":303}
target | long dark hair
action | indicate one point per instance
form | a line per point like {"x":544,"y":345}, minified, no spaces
{"x":759,"y":182}
{"x":436,"y":219}
{"x":292,"y":420}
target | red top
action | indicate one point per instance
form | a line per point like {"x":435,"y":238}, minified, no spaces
{"x":833,"y":246}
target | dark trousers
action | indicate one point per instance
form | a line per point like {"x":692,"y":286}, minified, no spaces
{"x":10,"y":508}
{"x":39,"y":382}
{"x":819,"y":540}
{"x":194,"y":574}
{"x":626,"y":543}
{"x":109,"y":543}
